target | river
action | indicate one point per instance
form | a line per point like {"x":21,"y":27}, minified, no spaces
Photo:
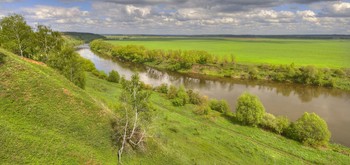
{"x":290,"y":100}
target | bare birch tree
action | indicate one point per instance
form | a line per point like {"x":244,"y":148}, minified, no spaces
{"x":130,"y":129}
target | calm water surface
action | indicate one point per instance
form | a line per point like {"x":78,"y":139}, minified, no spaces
{"x":279,"y":99}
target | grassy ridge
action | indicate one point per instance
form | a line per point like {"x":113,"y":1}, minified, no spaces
{"x":178,"y":136}
{"x":321,"y":53}
{"x":45,"y":118}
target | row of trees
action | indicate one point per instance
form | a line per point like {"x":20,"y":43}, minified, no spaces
{"x":182,"y":60}
{"x":43,"y":44}
{"x":176,"y":59}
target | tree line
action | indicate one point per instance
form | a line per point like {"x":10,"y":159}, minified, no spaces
{"x":184,"y":60}
{"x":43,"y":44}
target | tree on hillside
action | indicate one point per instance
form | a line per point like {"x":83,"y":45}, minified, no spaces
{"x":16,"y":34}
{"x":68,"y":63}
{"x":46,"y":40}
{"x":130,"y":127}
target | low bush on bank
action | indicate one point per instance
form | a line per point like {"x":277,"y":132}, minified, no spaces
{"x":113,"y":76}
{"x":2,"y":58}
{"x":249,"y":110}
{"x":310,"y":129}
{"x":220,"y":106}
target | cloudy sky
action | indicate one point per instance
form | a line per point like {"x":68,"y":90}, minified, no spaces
{"x":186,"y":16}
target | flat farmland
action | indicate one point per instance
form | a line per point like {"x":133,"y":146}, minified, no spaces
{"x":301,"y":52}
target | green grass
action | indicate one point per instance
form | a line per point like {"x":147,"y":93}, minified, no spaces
{"x":45,"y":119}
{"x":321,"y":53}
{"x":178,"y":136}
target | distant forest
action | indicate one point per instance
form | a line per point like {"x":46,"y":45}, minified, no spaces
{"x":315,"y":36}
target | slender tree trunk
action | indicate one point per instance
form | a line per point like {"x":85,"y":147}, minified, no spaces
{"x":120,"y":151}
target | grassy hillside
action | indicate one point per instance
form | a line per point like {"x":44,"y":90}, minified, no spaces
{"x":321,"y":53}
{"x":178,"y":136}
{"x":45,"y":118}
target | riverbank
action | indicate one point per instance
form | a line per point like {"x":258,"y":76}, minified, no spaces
{"x":205,"y":66}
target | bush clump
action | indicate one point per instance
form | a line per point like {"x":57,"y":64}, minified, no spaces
{"x":2,"y":58}
{"x":195,"y":98}
{"x":113,"y":76}
{"x":220,"y":106}
{"x":274,"y":124}
{"x":249,"y":110}
{"x":310,"y":129}
{"x":163,"y":88}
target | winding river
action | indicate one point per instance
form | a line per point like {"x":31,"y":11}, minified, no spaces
{"x":279,"y":99}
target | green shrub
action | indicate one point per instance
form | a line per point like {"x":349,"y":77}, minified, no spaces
{"x":195,"y":98}
{"x":202,"y":110}
{"x":310,"y":129}
{"x":274,"y":124}
{"x":163,"y":88}
{"x":88,"y":65}
{"x":113,"y":76}
{"x":249,"y":110}
{"x":253,"y":73}
{"x":177,"y":102}
{"x":220,"y":106}
{"x":100,"y":74}
{"x":172,"y":92}
{"x":2,"y":58}
{"x":282,"y":123}
{"x":339,"y":73}
{"x":268,"y":122}
{"x":181,"y":94}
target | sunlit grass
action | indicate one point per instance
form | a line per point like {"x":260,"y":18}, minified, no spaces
{"x":321,"y":53}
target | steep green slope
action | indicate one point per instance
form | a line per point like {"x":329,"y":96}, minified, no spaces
{"x":44,"y":118}
{"x":178,"y":136}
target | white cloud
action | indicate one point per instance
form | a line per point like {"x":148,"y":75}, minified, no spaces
{"x":308,"y":15}
{"x":50,"y":12}
{"x":194,"y":17}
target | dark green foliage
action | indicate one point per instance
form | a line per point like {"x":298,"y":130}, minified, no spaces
{"x":69,"y":64}
{"x":100,"y":74}
{"x":113,"y":76}
{"x":339,"y":72}
{"x":249,"y":110}
{"x":253,"y":73}
{"x":181,"y":97}
{"x":163,"y":88}
{"x":195,"y":97}
{"x":86,"y":37}
{"x":220,"y":106}
{"x":310,"y":129}
{"x":88,"y":65}
{"x":172,"y":92}
{"x":2,"y":58}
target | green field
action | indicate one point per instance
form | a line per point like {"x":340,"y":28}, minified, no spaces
{"x":320,"y":53}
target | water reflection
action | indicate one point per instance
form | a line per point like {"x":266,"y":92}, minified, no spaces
{"x":280,"y":99}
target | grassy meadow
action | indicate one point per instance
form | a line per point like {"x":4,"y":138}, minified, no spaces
{"x":46,"y":119}
{"x":301,"y":52}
